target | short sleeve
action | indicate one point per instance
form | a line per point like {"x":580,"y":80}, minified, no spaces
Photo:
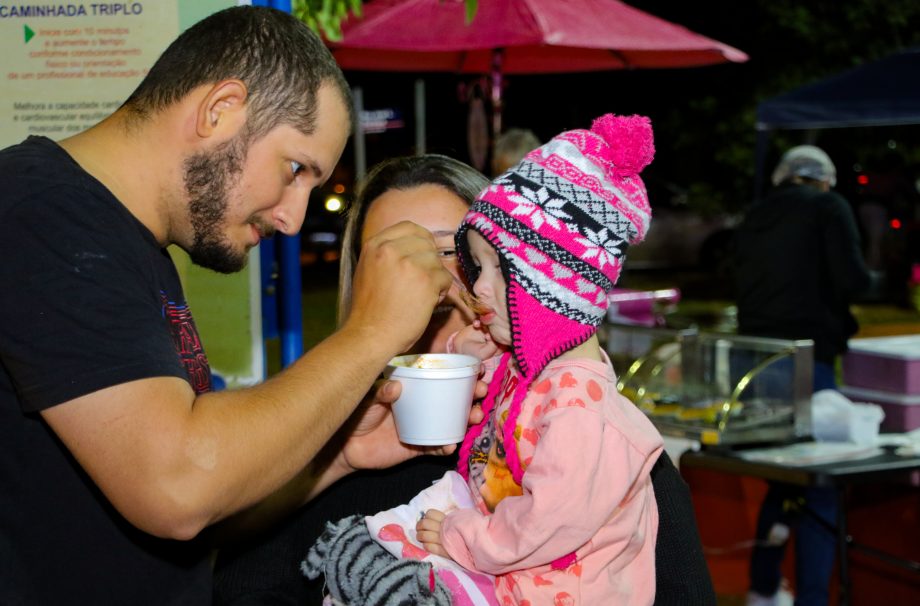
{"x":80,"y":308}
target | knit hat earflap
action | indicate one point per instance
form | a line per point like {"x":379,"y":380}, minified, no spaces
{"x":560,"y":220}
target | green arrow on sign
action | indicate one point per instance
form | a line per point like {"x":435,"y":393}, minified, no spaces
{"x":28,"y":32}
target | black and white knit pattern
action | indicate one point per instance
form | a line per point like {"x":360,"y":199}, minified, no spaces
{"x":359,"y":572}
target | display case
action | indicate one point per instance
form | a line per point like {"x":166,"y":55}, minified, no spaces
{"x":712,"y":387}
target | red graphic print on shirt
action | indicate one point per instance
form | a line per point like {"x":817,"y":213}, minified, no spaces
{"x":188,"y":343}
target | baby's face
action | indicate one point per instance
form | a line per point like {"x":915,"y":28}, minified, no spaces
{"x":490,"y":288}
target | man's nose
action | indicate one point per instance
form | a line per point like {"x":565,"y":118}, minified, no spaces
{"x":288,"y":215}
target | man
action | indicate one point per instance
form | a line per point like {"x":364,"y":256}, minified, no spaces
{"x":798,"y":266}
{"x":114,"y":454}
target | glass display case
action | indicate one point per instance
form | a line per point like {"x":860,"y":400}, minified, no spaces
{"x":712,"y":387}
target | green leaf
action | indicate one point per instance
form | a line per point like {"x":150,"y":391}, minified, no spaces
{"x":471,"y":7}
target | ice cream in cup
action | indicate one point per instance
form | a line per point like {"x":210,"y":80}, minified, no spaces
{"x":437,"y":393}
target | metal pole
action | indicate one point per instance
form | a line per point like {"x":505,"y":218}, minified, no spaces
{"x":360,"y":151}
{"x":497,"y":56}
{"x":420,"y":117}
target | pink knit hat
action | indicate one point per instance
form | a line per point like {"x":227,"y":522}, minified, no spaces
{"x":560,"y":221}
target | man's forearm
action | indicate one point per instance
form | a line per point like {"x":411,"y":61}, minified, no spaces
{"x":290,"y":419}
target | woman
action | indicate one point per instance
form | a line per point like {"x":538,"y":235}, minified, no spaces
{"x":435,"y":192}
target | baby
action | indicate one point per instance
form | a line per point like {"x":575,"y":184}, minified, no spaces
{"x":559,"y":468}
{"x":555,"y":504}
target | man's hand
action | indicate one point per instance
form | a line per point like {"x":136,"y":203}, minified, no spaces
{"x":372,"y":441}
{"x":398,"y":281}
{"x":428,"y":531}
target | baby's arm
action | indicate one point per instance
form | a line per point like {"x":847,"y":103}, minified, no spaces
{"x":572,"y":488}
{"x":428,"y":531}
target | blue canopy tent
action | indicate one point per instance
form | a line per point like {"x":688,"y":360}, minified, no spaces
{"x":880,"y":93}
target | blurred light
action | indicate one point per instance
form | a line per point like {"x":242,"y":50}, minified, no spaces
{"x":857,"y":168}
{"x":322,"y":237}
{"x":892,"y":144}
{"x":895,"y":224}
{"x":333,"y":204}
{"x":862,"y":180}
{"x":339,"y":188}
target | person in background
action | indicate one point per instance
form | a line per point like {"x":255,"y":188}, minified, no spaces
{"x":798,"y":267}
{"x":510,"y":147}
{"x":116,"y":454}
{"x":435,"y":192}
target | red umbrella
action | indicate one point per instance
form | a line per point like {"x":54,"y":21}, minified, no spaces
{"x":518,"y":37}
{"x":534,"y":37}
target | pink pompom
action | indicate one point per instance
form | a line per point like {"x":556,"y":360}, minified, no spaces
{"x":632,"y":146}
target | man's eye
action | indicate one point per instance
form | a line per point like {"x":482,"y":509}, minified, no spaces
{"x":296,"y":168}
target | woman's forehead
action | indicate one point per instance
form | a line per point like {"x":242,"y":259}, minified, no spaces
{"x":434,"y":207}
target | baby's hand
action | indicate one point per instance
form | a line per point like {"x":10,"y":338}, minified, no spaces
{"x":475,"y":340}
{"x":428,"y":531}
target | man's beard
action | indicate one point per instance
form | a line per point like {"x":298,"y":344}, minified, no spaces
{"x":209,"y":176}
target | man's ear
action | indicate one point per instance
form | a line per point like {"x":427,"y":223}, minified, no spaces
{"x":222,"y":111}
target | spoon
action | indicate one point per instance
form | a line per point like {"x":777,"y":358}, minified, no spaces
{"x":479,"y":308}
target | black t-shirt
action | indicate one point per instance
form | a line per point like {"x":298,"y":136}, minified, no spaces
{"x":88,"y":299}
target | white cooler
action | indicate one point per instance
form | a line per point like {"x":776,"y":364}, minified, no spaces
{"x":902,"y":412}
{"x":885,"y":364}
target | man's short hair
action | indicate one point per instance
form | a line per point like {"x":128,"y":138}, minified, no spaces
{"x":279,"y":59}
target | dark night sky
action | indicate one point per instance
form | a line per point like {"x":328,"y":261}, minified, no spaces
{"x":697,"y":112}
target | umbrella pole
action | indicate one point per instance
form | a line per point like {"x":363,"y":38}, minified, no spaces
{"x":420,"y":134}
{"x":497,"y":57}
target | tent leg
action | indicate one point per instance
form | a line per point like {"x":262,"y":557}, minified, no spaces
{"x":760,"y":159}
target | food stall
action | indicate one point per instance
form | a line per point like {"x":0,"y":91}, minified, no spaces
{"x":714,"y":388}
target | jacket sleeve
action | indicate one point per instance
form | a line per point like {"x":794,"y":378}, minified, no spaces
{"x":571,"y":488}
{"x":849,"y":274}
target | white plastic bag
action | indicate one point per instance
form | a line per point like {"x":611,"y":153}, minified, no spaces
{"x":835,"y":418}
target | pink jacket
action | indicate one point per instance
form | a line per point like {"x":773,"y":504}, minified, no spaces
{"x":581,"y":527}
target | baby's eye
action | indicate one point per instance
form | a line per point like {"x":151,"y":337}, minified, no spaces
{"x":447,"y":253}
{"x":296,"y":168}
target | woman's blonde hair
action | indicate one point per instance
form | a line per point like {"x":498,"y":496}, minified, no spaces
{"x":401,"y":173}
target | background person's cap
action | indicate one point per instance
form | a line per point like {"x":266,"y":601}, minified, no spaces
{"x":805,"y":161}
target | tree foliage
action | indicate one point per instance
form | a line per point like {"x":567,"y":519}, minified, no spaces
{"x":326,"y":16}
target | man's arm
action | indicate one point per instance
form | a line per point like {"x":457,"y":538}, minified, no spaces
{"x":173,"y":463}
{"x":368,"y":440}
{"x":848,"y":272}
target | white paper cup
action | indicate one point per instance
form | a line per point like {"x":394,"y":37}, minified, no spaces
{"x":433,"y":408}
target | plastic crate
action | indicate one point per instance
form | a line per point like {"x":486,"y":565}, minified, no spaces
{"x":887,"y":364}
{"x":902,"y":412}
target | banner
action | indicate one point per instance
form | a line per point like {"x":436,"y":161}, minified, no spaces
{"x":64,"y":66}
